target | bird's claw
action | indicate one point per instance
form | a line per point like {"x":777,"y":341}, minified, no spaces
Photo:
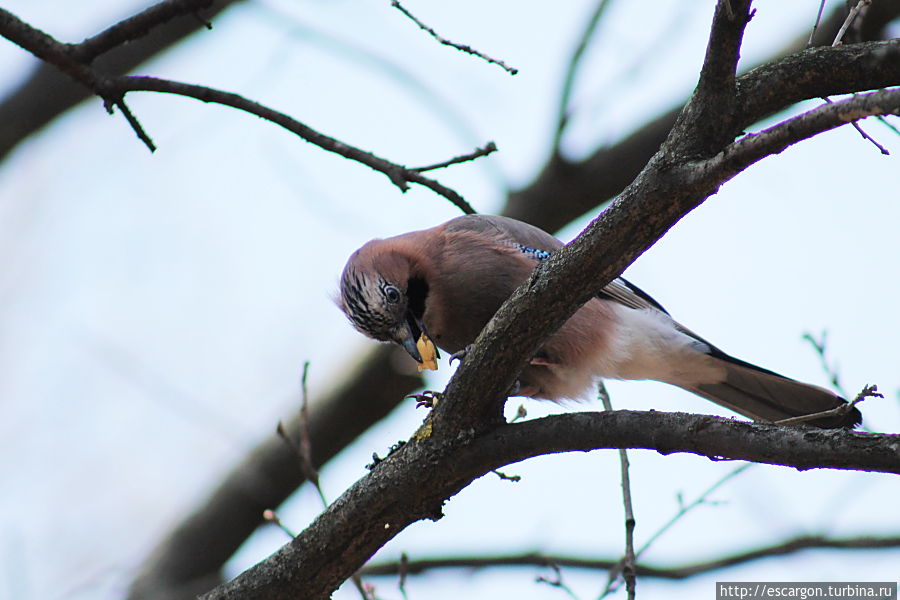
{"x":428,"y":398}
{"x":461,"y":354}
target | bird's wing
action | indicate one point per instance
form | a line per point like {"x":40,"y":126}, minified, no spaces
{"x":505,"y":231}
{"x":537,"y":244}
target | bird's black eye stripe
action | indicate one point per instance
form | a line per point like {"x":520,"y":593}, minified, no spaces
{"x":391,"y":293}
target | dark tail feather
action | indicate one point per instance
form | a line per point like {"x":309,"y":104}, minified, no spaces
{"x":763,"y":395}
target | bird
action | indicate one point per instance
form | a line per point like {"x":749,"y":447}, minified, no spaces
{"x":442,"y":285}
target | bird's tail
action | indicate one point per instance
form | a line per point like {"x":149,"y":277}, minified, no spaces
{"x":763,"y":395}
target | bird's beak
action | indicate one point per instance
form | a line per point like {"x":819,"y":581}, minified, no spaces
{"x":409,"y":344}
{"x":410,"y":339}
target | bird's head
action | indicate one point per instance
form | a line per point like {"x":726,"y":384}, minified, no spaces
{"x":382,"y":297}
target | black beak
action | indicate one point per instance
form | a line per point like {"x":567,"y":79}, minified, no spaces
{"x":413,"y":330}
{"x":409,"y":344}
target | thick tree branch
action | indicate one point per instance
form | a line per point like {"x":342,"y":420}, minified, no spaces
{"x":708,"y":119}
{"x":547,"y":202}
{"x":413,"y":483}
{"x":137,"y":26}
{"x":643,"y":221}
{"x":678,"y":572}
{"x":568,"y":188}
{"x":668,"y":188}
{"x":469,"y":416}
{"x":753,"y":147}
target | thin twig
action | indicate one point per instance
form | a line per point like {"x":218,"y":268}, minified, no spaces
{"x":113,"y":89}
{"x":859,"y":129}
{"x":755,"y":146}
{"x":503,"y":476}
{"x":820,"y":347}
{"x":398,"y":174}
{"x":272,"y":517}
{"x":305,"y":445}
{"x":869,"y":391}
{"x":684,"y":509}
{"x":557,"y":581}
{"x":849,"y":20}
{"x":837,"y":41}
{"x":477,"y":153}
{"x":562,"y":115}
{"x":461,"y":47}
{"x":627,"y":564}
{"x":673,"y":572}
{"x":812,"y":34}
{"x":403,"y":572}
{"x":888,"y":124}
{"x":135,"y":124}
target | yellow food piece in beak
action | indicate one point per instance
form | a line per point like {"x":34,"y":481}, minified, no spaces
{"x":428,"y":353}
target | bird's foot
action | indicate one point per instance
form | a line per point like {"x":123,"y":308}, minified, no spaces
{"x":461,"y":354}
{"x":428,"y":398}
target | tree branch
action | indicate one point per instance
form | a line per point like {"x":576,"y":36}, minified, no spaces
{"x":47,"y":92}
{"x":709,"y":118}
{"x":468,"y":421}
{"x":445,"y":42}
{"x":413,"y":483}
{"x":267,"y":477}
{"x":756,"y":146}
{"x":677,"y":572}
{"x":136,"y":27}
{"x":564,"y":190}
{"x":576,"y":187}
{"x":113,"y":90}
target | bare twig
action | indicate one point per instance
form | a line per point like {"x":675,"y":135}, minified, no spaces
{"x":861,"y":132}
{"x":851,"y":16}
{"x":505,"y":477}
{"x":398,"y":174}
{"x":888,"y":124}
{"x":444,"y":41}
{"x":812,"y":34}
{"x":133,"y":122}
{"x":113,"y":89}
{"x":272,"y":517}
{"x":674,"y":572}
{"x":869,"y":391}
{"x":684,"y":509}
{"x":309,"y":469}
{"x":477,"y":153}
{"x":626,"y":565}
{"x":755,"y":146}
{"x":562,"y":114}
{"x":303,"y":447}
{"x":820,"y":347}
{"x":403,"y":572}
{"x":557,"y":581}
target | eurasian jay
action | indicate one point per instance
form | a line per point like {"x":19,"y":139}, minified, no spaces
{"x":448,"y":281}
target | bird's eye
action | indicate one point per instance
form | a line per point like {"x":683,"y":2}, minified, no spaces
{"x":392,"y":294}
